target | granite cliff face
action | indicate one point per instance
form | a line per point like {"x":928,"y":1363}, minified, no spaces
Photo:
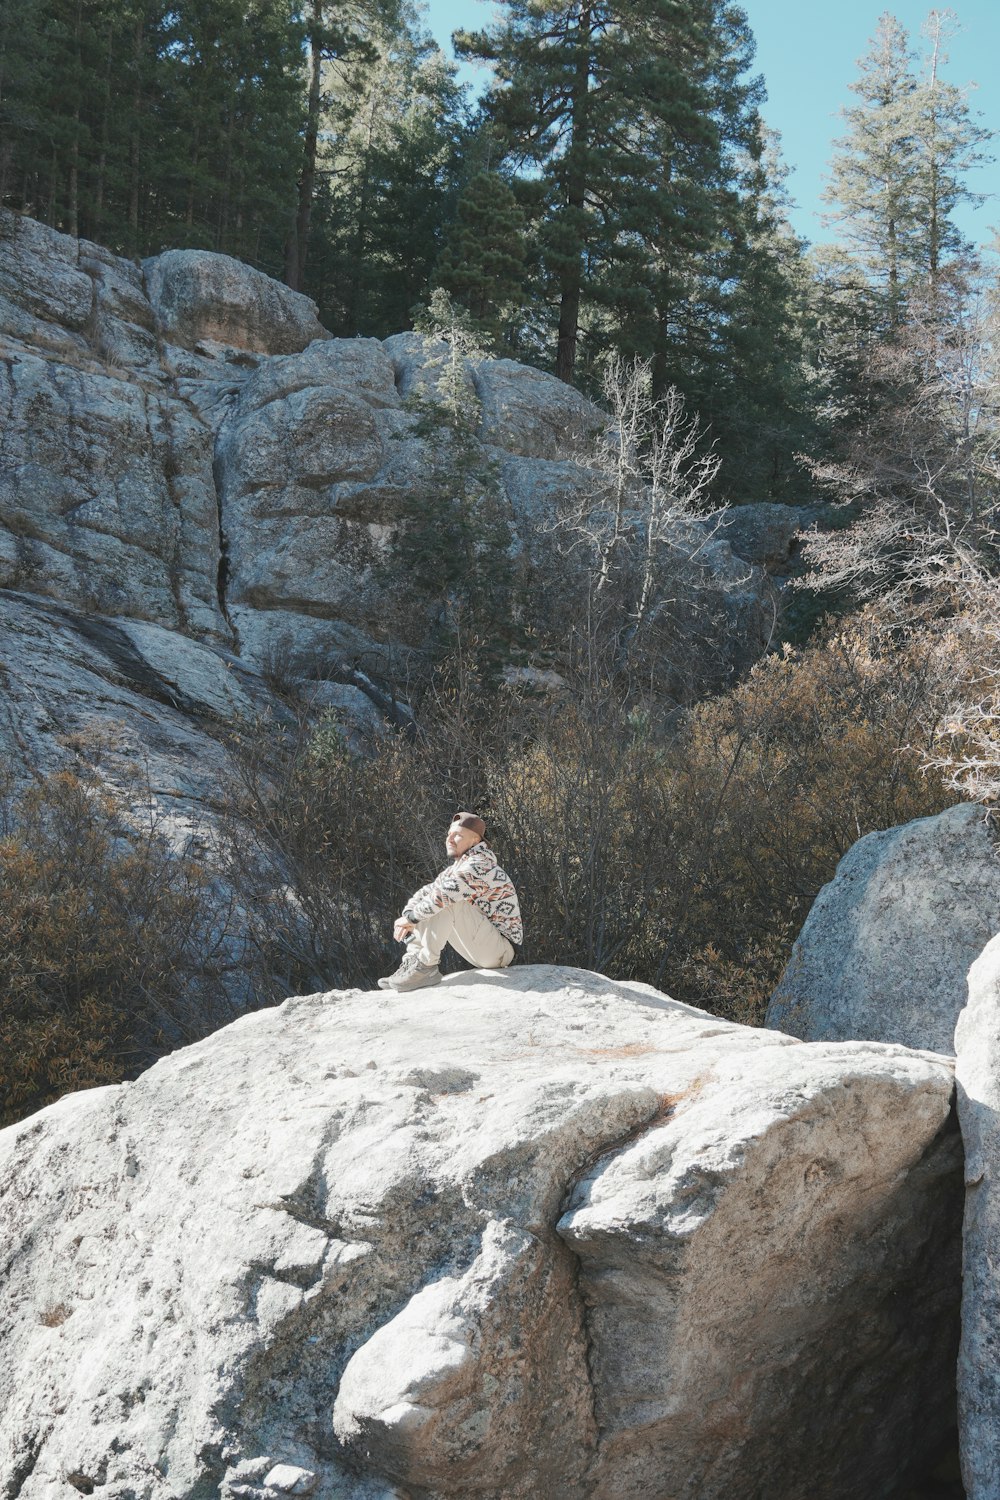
{"x":197,"y":481}
{"x":532,"y":1235}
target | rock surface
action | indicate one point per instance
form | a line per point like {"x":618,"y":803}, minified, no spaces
{"x":977,"y":1074}
{"x":183,"y":443}
{"x":198,"y":487}
{"x":198,"y":295}
{"x":528,"y":1234}
{"x":767,"y":534}
{"x":884,"y":952}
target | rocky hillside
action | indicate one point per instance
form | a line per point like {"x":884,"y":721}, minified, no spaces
{"x":197,"y":486}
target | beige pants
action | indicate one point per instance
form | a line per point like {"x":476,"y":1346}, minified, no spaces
{"x":467,"y":930}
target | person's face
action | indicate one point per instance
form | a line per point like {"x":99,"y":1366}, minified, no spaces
{"x":459,"y":839}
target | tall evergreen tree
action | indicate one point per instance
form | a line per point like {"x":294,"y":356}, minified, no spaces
{"x":482,"y":263}
{"x":146,"y":123}
{"x":389,"y":173}
{"x":900,"y":171}
{"x":556,"y":104}
{"x":334,"y":33}
{"x":763,"y":403}
{"x":628,"y":112}
{"x":949,"y":142}
{"x":872,"y":173}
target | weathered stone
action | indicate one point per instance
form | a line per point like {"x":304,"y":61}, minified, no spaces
{"x":977,"y":1073}
{"x":289,"y":1479}
{"x":286,"y":645}
{"x":533,"y":414}
{"x":885,"y":949}
{"x":421,"y":361}
{"x":198,"y":294}
{"x":531,"y":1235}
{"x":538,"y":680}
{"x":70,"y":679}
{"x":107,"y":496}
{"x":123,"y":329}
{"x":766,"y":534}
{"x":204,"y":680}
{"x":357,"y":718}
{"x":41,"y":281}
{"x":310,"y":472}
{"x":184,"y":446}
{"x":543,"y":491}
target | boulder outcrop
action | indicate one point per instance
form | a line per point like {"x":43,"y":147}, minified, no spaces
{"x":768,"y":534}
{"x":185,"y":444}
{"x":977,"y":1072}
{"x":201,"y":297}
{"x":529,"y":1234}
{"x":885,"y":950}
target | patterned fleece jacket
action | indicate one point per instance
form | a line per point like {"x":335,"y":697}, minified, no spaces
{"x":475,"y":876}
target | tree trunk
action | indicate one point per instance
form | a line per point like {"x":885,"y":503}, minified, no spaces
{"x":102,"y":160}
{"x":297,"y":245}
{"x":134,"y":145}
{"x":571,"y":279}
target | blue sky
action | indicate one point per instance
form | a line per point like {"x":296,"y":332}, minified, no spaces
{"x":807,"y":51}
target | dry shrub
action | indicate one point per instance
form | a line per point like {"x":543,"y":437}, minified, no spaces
{"x":777,"y":779}
{"x":684,"y":855}
{"x":111,"y":947}
{"x":321,"y":843}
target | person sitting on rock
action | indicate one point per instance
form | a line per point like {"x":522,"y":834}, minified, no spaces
{"x":472,"y":905}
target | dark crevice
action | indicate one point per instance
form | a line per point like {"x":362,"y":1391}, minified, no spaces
{"x":24,"y":1467}
{"x":222,"y":576}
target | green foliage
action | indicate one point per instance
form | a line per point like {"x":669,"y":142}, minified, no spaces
{"x":389,"y":165}
{"x":112,"y":948}
{"x":451,"y":557}
{"x":483,"y":263}
{"x":146,"y":125}
{"x":899,"y":172}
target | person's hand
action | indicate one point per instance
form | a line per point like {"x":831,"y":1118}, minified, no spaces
{"x":402,"y":929}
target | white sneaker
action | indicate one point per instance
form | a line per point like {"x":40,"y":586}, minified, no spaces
{"x":411,"y":975}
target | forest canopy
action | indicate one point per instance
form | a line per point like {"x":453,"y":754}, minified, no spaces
{"x":615,"y":191}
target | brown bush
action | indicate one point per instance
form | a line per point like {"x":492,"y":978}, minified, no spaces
{"x":686,"y":855}
{"x":112,"y":948}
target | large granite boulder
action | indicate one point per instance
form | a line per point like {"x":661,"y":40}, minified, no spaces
{"x":198,"y":295}
{"x":884,"y":952}
{"x":529,"y":1234}
{"x":309,"y":478}
{"x":977,"y":1072}
{"x":184,"y":446}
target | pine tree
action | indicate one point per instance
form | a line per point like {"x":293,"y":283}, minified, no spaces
{"x":483,"y":261}
{"x":681,"y":203}
{"x":763,"y":403}
{"x":899,"y":173}
{"x":627,"y":113}
{"x":146,"y":123}
{"x":334,"y":34}
{"x":948,"y":143}
{"x":557,"y":108}
{"x":872,"y":175}
{"x":388,"y":180}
